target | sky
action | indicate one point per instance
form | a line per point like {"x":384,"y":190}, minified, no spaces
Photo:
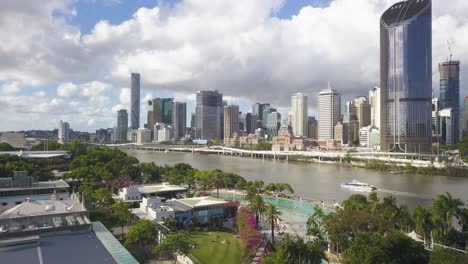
{"x":71,"y":59}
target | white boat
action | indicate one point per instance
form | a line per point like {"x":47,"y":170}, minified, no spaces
{"x":358,"y":186}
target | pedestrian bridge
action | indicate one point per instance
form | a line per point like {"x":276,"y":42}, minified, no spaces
{"x":38,"y":154}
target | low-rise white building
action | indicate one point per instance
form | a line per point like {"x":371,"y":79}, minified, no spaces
{"x":136,"y":193}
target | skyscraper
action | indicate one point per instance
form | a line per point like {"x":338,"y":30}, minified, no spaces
{"x":406,"y":77}
{"x":363,"y":111}
{"x":329,"y":111}
{"x":374,"y":100}
{"x":135,"y":101}
{"x":122,"y":125}
{"x":273,"y":124}
{"x":257,"y":110}
{"x":209,"y":115}
{"x":231,"y":120}
{"x":313,"y":128}
{"x":465,"y":117}
{"x":179,"y":119}
{"x":450,"y":94}
{"x":160,"y":111}
{"x":63,"y":132}
{"x":299,"y":112}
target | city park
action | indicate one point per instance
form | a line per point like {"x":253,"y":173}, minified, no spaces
{"x":364,"y":229}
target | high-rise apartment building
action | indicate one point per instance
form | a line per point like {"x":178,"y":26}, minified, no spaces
{"x":135,"y":101}
{"x":209,"y":115}
{"x":122,"y":125}
{"x":179,"y":119}
{"x":160,"y":111}
{"x":299,"y":112}
{"x":231,"y":120}
{"x":273,"y":123}
{"x":363,"y":111}
{"x":406,"y":77}
{"x":374,"y":101}
{"x":450,"y":94}
{"x":63,"y":132}
{"x":329,"y":111}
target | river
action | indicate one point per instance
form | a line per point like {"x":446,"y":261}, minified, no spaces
{"x":319,"y":181}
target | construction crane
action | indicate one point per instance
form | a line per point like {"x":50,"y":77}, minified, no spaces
{"x":450,"y":49}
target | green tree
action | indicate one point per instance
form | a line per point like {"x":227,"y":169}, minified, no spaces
{"x":385,"y":249}
{"x":276,"y":257}
{"x":316,"y":224}
{"x":444,"y":208}
{"x":177,"y":243}
{"x":150,"y":172}
{"x":447,"y":256}
{"x":272,"y":216}
{"x":102,"y":197}
{"x":122,"y":214}
{"x":142,"y":235}
{"x":6,"y":147}
{"x":423,"y":222}
{"x":170,"y":222}
{"x":258,"y":207}
{"x":296,"y":250}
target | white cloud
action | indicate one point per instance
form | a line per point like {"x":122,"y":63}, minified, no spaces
{"x":10,"y":88}
{"x":235,"y":46}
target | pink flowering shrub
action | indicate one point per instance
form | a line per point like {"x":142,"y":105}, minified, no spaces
{"x":249,"y":235}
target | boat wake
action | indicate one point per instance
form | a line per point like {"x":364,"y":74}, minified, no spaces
{"x":408,"y":194}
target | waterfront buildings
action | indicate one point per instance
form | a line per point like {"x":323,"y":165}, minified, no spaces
{"x":104,"y":136}
{"x":248,"y":141}
{"x":406,"y":77}
{"x":363,"y":111}
{"x":369,"y":137}
{"x":341,"y":133}
{"x":273,"y":123}
{"x":209,"y":115}
{"x":329,"y":111}
{"x":163,"y":133}
{"x":374,"y":100}
{"x":285,"y":141}
{"x":231,"y":120}
{"x":21,"y":187}
{"x":122,"y":125}
{"x":143,"y":135}
{"x":260,"y":132}
{"x":63,"y":132}
{"x":313,"y":128}
{"x":138,"y":192}
{"x":446,"y":119}
{"x":299,"y":112}
{"x":450,"y":95}
{"x":135,"y":101}
{"x":179,"y":119}
{"x":203,"y":210}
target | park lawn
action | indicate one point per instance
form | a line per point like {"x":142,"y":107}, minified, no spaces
{"x":216,"y":247}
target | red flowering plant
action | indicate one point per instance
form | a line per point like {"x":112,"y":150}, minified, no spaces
{"x":249,"y":235}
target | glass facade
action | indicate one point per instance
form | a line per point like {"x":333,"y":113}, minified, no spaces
{"x":450,"y":94}
{"x":406,"y":77}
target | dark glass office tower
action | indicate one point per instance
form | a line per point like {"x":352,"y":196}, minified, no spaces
{"x":406,"y":77}
{"x":135,"y":101}
{"x":209,"y":115}
{"x":450,"y":93}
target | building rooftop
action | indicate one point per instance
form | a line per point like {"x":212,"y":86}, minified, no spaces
{"x":40,"y":185}
{"x":42,"y":207}
{"x":159,"y":188}
{"x":201,"y":201}
{"x":99,"y":246}
{"x":406,"y":10}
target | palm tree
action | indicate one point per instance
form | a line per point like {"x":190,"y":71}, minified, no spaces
{"x":258,"y":207}
{"x":272,"y":216}
{"x":316,"y":224}
{"x":217,"y":180}
{"x":296,"y":250}
{"x":423,"y":221}
{"x":203,"y":179}
{"x":445,"y":208}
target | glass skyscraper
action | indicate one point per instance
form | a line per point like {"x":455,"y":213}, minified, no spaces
{"x":209,"y":115}
{"x":450,"y":94}
{"x":406,"y":77}
{"x":135,"y":101}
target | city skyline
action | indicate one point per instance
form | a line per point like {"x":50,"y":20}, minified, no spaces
{"x":89,"y":92}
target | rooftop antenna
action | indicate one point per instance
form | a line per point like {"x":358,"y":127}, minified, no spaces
{"x":450,"y":49}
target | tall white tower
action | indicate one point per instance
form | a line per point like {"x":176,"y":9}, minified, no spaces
{"x":329,"y":111}
{"x":299,"y":112}
{"x":374,"y":100}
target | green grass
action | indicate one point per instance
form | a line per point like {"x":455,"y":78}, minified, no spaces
{"x":216,"y":247}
